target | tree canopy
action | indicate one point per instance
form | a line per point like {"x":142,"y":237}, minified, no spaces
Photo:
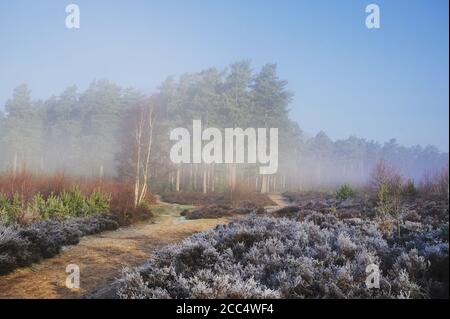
{"x":85,"y":133}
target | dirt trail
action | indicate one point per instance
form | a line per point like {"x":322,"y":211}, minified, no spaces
{"x":102,"y":256}
{"x":278,"y":199}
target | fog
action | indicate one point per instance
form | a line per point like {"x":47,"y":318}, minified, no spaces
{"x":93,"y":133}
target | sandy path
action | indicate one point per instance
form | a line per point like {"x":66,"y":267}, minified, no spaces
{"x":101,"y":257}
{"x":278,"y":199}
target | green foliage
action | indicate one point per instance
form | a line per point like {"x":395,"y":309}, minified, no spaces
{"x":345,"y":192}
{"x":75,"y":201}
{"x":72,"y":203}
{"x":410,"y":190}
{"x":97,"y":203}
{"x":52,"y":207}
{"x":384,"y":201}
{"x":10,"y":208}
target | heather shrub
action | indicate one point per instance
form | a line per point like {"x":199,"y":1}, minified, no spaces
{"x":218,"y":211}
{"x":444,"y":230}
{"x":94,"y":224}
{"x":14,"y":250}
{"x":235,"y":199}
{"x":288,"y":211}
{"x":428,"y":250}
{"x":22,"y":246}
{"x":210,"y":211}
{"x":259,"y":257}
{"x":307,"y":196}
{"x":47,"y":237}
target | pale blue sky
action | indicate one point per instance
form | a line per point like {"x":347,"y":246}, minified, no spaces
{"x":348,"y":80}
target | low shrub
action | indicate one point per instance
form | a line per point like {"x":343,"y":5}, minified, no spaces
{"x":122,"y":205}
{"x":71,"y":203}
{"x":14,"y":249}
{"x":345,"y":192}
{"x":288,"y":212}
{"x":140,"y":213}
{"x":10,"y":208}
{"x":211,"y":211}
{"x":22,"y":246}
{"x":235,"y":199}
{"x":218,"y":211}
{"x":266,"y":257}
{"x":307,"y":196}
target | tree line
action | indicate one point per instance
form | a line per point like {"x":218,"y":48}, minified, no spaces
{"x":123,"y":133}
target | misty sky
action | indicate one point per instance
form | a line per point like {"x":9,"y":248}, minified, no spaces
{"x":347,"y":79}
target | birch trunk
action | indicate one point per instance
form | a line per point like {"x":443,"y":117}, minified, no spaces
{"x":178,"y":179}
